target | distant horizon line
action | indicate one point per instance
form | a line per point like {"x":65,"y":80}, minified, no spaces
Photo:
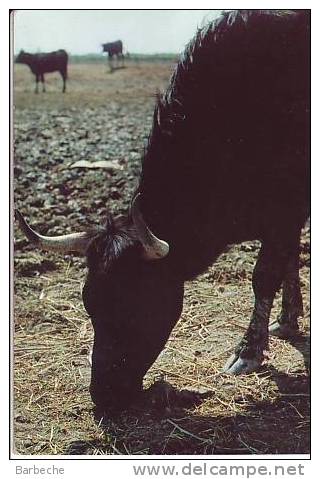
{"x":97,"y":54}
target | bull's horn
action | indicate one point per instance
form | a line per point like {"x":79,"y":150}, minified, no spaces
{"x":154,"y":248}
{"x":78,"y":242}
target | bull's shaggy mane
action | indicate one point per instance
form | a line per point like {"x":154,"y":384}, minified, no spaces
{"x":170,"y":107}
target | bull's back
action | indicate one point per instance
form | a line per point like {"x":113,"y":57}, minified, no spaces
{"x":249,"y":78}
{"x":51,"y":62}
{"x":260,"y":99}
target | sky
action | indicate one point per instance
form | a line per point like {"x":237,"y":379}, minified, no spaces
{"x":83,"y":31}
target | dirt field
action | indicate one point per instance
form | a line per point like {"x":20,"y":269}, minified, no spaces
{"x":107,"y":116}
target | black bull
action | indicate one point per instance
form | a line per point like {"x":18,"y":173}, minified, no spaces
{"x":114,"y":49}
{"x":227,"y":161}
{"x":41,"y":63}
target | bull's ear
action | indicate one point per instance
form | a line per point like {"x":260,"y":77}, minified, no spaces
{"x":154,"y":248}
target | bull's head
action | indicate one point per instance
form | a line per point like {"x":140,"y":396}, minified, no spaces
{"x":105,"y":47}
{"x":131,"y":296}
{"x":20,"y":57}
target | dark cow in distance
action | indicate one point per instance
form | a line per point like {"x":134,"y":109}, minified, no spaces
{"x":114,"y":49}
{"x":41,"y":63}
{"x":227,"y":161}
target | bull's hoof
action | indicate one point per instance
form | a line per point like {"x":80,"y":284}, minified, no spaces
{"x":282,"y":330}
{"x":236,"y":365}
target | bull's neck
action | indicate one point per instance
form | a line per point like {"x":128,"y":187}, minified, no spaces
{"x":158,"y":167}
{"x":27,"y":60}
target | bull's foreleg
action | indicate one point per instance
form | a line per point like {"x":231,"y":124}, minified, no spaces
{"x":268,"y":275}
{"x":110,"y":63}
{"x":43,"y":83}
{"x":248,"y":355}
{"x":286,"y":325}
{"x":64,"y":78}
{"x":36,"y":90}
